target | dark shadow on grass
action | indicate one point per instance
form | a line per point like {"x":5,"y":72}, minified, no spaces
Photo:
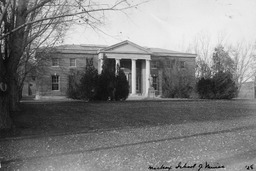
{"x":46,"y":118}
{"x":6,"y":162}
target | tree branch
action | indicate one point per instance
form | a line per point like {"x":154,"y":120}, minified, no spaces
{"x":55,"y":17}
{"x":36,"y":6}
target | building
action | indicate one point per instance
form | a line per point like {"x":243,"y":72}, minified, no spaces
{"x":141,"y":65}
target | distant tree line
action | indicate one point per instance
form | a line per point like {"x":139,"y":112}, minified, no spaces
{"x":240,"y":60}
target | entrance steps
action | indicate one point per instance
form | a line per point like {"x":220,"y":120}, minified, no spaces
{"x":136,"y":97}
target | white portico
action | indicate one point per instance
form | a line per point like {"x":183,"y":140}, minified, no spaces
{"x":134,"y":60}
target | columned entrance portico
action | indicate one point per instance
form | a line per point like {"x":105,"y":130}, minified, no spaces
{"x":135,"y":66}
{"x":117,"y":64}
{"x":134,"y":60}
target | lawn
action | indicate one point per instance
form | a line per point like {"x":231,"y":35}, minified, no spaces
{"x":43,"y":118}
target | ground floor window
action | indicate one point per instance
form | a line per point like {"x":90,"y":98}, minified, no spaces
{"x":72,"y":62}
{"x":138,"y":84}
{"x":182,"y":64}
{"x":154,"y":64}
{"x":155,"y":83}
{"x":55,"y":82}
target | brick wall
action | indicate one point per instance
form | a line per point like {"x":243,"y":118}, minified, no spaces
{"x":44,"y":79}
{"x":189,"y":69}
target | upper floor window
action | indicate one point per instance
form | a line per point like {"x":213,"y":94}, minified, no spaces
{"x":154,"y":64}
{"x":170,"y":63}
{"x":72,"y":62}
{"x":55,"y":62}
{"x":182,"y":64}
{"x":55,"y":82}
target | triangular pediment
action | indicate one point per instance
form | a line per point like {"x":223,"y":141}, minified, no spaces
{"x":126,"y":47}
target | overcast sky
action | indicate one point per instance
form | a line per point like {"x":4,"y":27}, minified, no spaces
{"x":173,"y":24}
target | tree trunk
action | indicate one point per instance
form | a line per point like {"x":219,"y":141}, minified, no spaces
{"x":9,"y":99}
{"x":20,"y":93}
{"x":14,"y":96}
{"x":5,"y":119}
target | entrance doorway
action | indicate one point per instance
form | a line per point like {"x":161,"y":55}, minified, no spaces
{"x":128,"y":77}
{"x":138,"y":82}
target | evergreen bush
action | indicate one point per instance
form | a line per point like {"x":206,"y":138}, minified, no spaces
{"x":122,"y":86}
{"x":220,"y":86}
{"x":225,"y":86}
{"x":89,"y":81}
{"x":73,"y":88}
{"x":205,"y":88}
{"x":91,"y":86}
{"x":106,"y":81}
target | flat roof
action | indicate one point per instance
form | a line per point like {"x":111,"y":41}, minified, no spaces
{"x":94,"y":49}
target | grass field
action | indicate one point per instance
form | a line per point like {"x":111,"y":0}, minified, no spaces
{"x":43,"y":118}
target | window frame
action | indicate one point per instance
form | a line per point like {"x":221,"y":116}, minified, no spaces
{"x":170,"y":63}
{"x":182,"y":64}
{"x":70,"y":59}
{"x":154,"y":64}
{"x":58,"y":62}
{"x":155,"y":82}
{"x":55,"y":82}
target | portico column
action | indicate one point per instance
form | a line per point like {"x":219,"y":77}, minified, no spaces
{"x":133,"y":76}
{"x":117,"y":63}
{"x":100,"y":62}
{"x":147,"y":75}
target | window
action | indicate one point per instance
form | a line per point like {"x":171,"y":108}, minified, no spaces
{"x":154,"y":64}
{"x":55,"y":82}
{"x":89,"y":61}
{"x":170,"y":63}
{"x":55,"y":61}
{"x":154,"y":82}
{"x":72,"y":62}
{"x":182,"y":64}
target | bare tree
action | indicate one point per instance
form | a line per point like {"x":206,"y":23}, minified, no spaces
{"x":202,"y":46}
{"x":22,"y":22}
{"x":244,"y":56}
{"x":28,"y":65}
{"x":177,"y":81}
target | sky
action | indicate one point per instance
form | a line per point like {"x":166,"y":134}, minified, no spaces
{"x":174,"y":24}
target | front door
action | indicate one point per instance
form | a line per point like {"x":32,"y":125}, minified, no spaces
{"x":128,"y":77}
{"x":138,"y":78}
{"x":138,"y":83}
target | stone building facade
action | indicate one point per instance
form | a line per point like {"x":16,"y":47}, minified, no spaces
{"x":141,"y":65}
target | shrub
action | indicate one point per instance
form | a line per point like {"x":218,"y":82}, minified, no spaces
{"x":177,"y":82}
{"x":106,"y":81}
{"x":105,"y":86}
{"x":225,"y":86}
{"x":73,"y":88}
{"x":88,"y":82}
{"x":182,"y":89}
{"x":91,"y":86}
{"x":220,"y":86}
{"x":205,"y":88}
{"x":122,"y":86}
